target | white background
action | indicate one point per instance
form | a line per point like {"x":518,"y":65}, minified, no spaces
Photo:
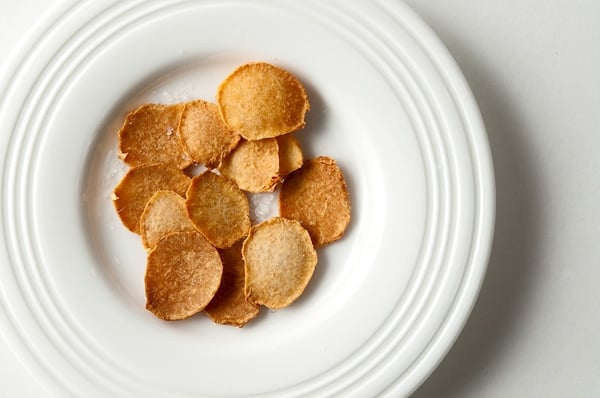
{"x":534,"y":67}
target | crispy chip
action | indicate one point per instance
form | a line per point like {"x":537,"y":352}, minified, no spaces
{"x":259,"y":100}
{"x":218,"y":209}
{"x":253,"y":165}
{"x":204,"y":135}
{"x":165,"y":212}
{"x":229,"y":306}
{"x":280,"y":260}
{"x":290,"y":154}
{"x":316,"y":195}
{"x":138,"y":186}
{"x":149,"y":135}
{"x":182,"y":276}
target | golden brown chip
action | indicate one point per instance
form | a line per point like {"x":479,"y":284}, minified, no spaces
{"x":165,"y":212}
{"x":204,"y":135}
{"x":253,"y":165}
{"x":139,"y":184}
{"x":259,"y":100}
{"x":229,"y":306}
{"x":280,"y":260}
{"x":218,"y":209}
{"x":290,"y":154}
{"x":149,"y":135}
{"x":316,"y":195}
{"x":183,"y":274}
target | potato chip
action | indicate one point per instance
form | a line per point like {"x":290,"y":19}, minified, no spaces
{"x":149,"y":135}
{"x":280,"y":260}
{"x":139,"y":184}
{"x":316,"y":195}
{"x":204,"y":135}
{"x":290,"y":154}
{"x":229,"y":306}
{"x":259,"y":100}
{"x":218,"y":209}
{"x":183,"y":273}
{"x":253,"y":165}
{"x":164,"y":213}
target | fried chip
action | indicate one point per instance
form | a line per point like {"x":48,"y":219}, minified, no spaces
{"x":204,"y":135}
{"x":164,"y":213}
{"x":253,"y":165}
{"x":149,"y":135}
{"x":229,"y":306}
{"x":259,"y":100}
{"x":290,"y":154}
{"x":183,"y":273}
{"x":280,"y":260}
{"x":139,"y":184}
{"x":218,"y":209}
{"x":316,"y":195}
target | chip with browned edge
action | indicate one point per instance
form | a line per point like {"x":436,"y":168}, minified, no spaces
{"x":218,"y":209}
{"x":290,"y":154}
{"x":183,"y":273}
{"x":253,"y":165}
{"x":280,"y":261}
{"x":316,"y":195}
{"x":259,"y":100}
{"x":229,"y":306}
{"x":165,"y":212}
{"x":139,"y":184}
{"x":204,"y":135}
{"x":149,"y":135}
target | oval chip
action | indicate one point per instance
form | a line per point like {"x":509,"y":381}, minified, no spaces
{"x":218,"y":209}
{"x":259,"y":100}
{"x":165,"y":212}
{"x":316,"y":195}
{"x":253,"y":165}
{"x":139,"y":184}
{"x":183,"y":273}
{"x":149,"y":135}
{"x":280,"y":261}
{"x":204,"y":135}
{"x":229,"y":306}
{"x":290,"y":154}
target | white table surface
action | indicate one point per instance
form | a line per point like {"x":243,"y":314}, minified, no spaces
{"x":534,"y":67}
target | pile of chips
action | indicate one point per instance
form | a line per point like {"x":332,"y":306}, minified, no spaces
{"x":204,"y":254}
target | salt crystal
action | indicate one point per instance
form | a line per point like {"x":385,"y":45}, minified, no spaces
{"x":263,"y":206}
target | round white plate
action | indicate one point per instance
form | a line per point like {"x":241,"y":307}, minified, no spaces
{"x":388,"y":103}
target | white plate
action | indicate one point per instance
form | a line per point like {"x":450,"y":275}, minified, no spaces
{"x":388,"y":103}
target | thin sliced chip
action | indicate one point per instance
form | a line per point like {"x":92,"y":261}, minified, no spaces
{"x":183,"y":273}
{"x":139,"y":184}
{"x":253,"y":165}
{"x":316,"y":195}
{"x":204,"y":135}
{"x":165,"y":212}
{"x":260,"y":100}
{"x":218,"y":209}
{"x":149,"y":135}
{"x":229,"y":306}
{"x":290,"y":154}
{"x":280,"y":261}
